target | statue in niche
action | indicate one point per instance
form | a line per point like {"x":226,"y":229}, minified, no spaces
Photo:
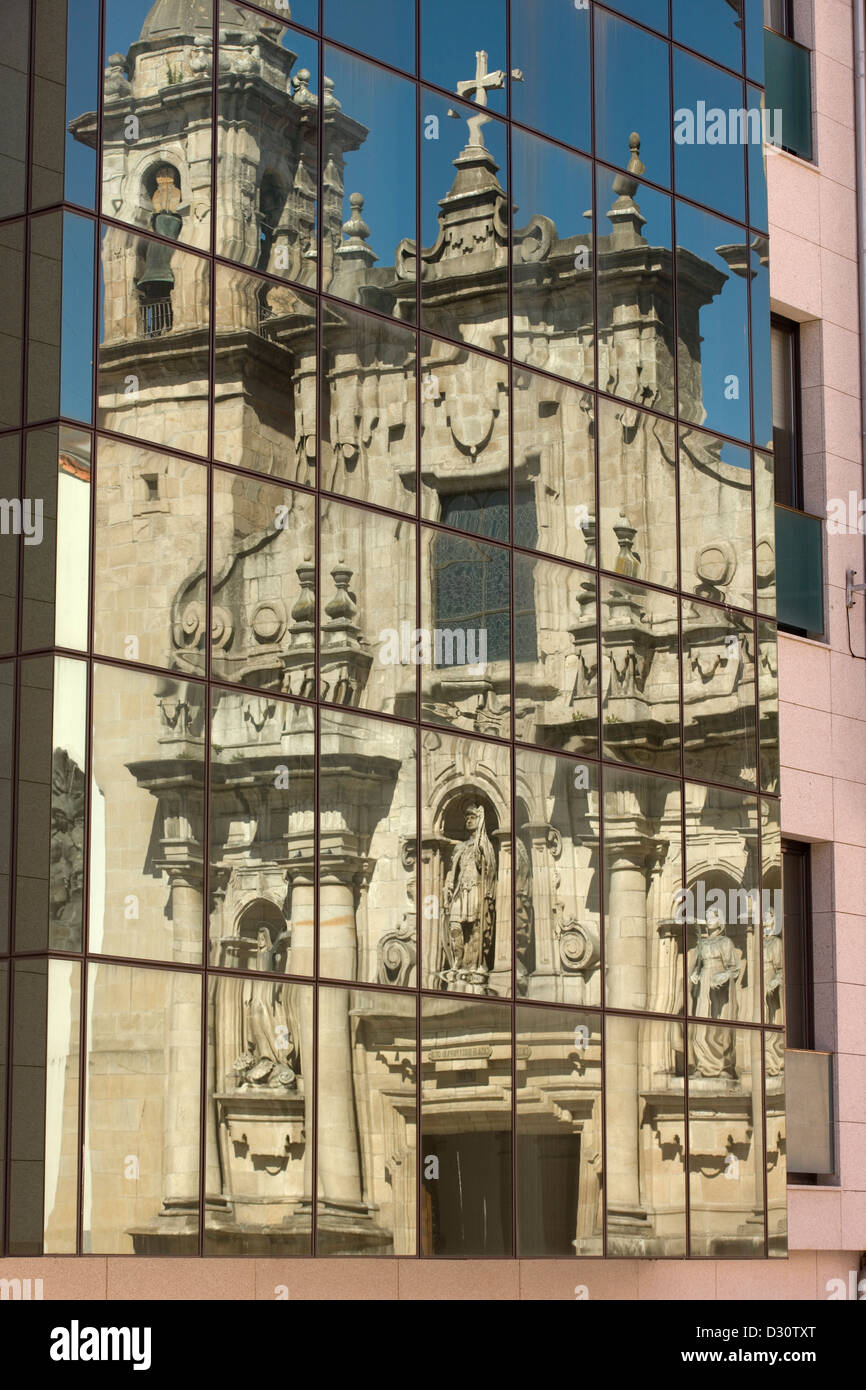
{"x":773,"y":995}
{"x":470,"y":896}
{"x":714,"y":976}
{"x":66,"y":871}
{"x":524,"y":916}
{"x":270,"y":1056}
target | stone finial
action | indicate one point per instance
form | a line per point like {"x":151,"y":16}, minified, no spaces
{"x":329,"y":101}
{"x":304,"y":607}
{"x":300,"y":87}
{"x":116,"y":84}
{"x":627,"y":561}
{"x":356,"y":231}
{"x":624,"y":215}
{"x":627,"y":187}
{"x":342,"y":608}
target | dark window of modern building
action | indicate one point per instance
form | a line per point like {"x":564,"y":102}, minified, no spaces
{"x":785,"y":357}
{"x":778,"y":15}
{"x":797,"y":938}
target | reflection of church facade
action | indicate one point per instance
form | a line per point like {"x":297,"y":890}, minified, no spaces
{"x":456,"y":861}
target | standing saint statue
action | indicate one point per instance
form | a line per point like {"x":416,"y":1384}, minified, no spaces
{"x":715,"y":972}
{"x":470,"y":895}
{"x":270,"y":1054}
{"x":773,"y":996}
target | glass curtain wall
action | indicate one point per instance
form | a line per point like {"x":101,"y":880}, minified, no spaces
{"x":388,"y":656}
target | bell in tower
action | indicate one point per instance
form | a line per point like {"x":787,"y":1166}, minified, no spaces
{"x":157,"y":280}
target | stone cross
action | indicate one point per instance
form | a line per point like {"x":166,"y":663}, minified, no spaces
{"x":477,"y":88}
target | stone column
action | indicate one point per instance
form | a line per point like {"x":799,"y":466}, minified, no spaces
{"x":625,"y":972}
{"x":339,"y":1156}
{"x":301,"y":962}
{"x":182,"y":1135}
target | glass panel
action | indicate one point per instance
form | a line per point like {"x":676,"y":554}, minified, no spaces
{"x":464,"y":440}
{"x":789,"y":93}
{"x":637,"y":494}
{"x":653,"y":13}
{"x":557,"y":884}
{"x":632,"y":75}
{"x":643,"y":874}
{"x":368,"y":844}
{"x":260,"y":1117}
{"x":4,"y":1034}
{"x":726,"y":1148}
{"x":716,"y":519}
{"x":76,"y":354}
{"x":141,"y":1136}
{"x":156,"y":121}
{"x":368,"y":635}
{"x":553,"y":310}
{"x":367,"y":1123}
{"x":386,"y":30}
{"x":640,"y":670}
{"x":65,"y":68}
{"x":368,"y":408}
{"x":775,"y":908}
{"x":550,"y":41}
{"x":554,"y":467}
{"x":47,"y":294}
{"x":556,"y":674}
{"x":715,"y":28}
{"x":62,"y":1141}
{"x":757,"y":162}
{"x":263,"y":598}
{"x":810,"y":1147}
{"x":711,"y":127}
{"x":10,"y":473}
{"x":26,"y":1188}
{"x":559,"y":1133}
{"x":465,"y":865}
{"x":635,"y":294}
{"x":713,"y":322}
{"x":15,"y":51}
{"x":762,"y":388}
{"x":448,"y":62}
{"x":375,"y":139}
{"x":11,"y":326}
{"x":82,"y":95}
{"x":646,"y":1131}
{"x":721,"y":909}
{"x":7,"y":738}
{"x":45,"y":1144}
{"x":719,"y":661}
{"x":464,"y":225}
{"x":56,"y":552}
{"x":765,"y":533}
{"x":265,"y":377}
{"x":768,"y":704}
{"x":466,"y":1131}
{"x":777,"y":1163}
{"x":261,"y":834}
{"x":151,"y":546}
{"x":154,"y":342}
{"x":146,"y":815}
{"x":755,"y":12}
{"x":267,"y":160}
{"x":799,"y":570}
{"x":51,"y":804}
{"x":463,"y":648}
